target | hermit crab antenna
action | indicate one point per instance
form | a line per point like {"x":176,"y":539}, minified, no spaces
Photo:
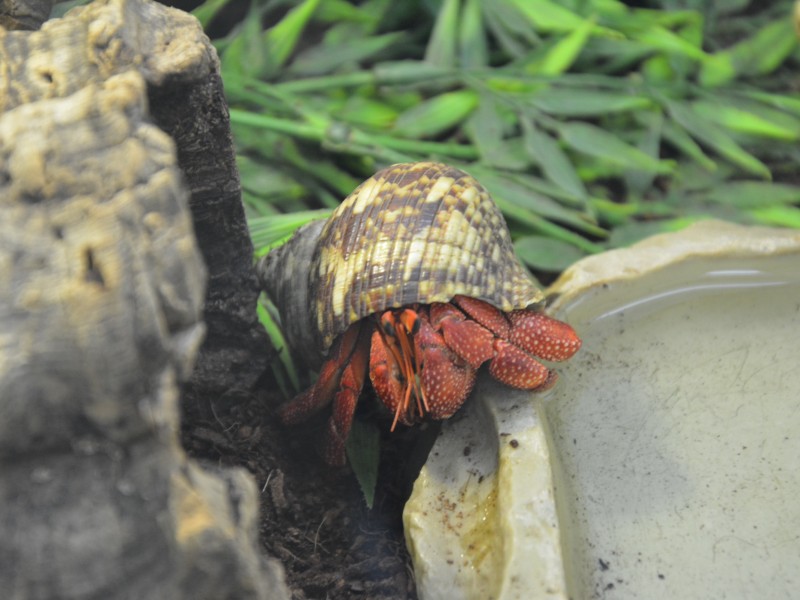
{"x":394,"y":337}
{"x":410,"y":320}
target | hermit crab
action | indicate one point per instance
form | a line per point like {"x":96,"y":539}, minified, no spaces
{"x":414,"y":281}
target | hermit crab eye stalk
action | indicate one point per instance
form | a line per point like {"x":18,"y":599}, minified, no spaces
{"x":386,"y":323}
{"x":414,"y":280}
{"x":410,"y":320}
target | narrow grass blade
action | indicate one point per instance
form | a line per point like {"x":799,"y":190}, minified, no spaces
{"x":286,"y":366}
{"x":363,"y":452}
{"x":268,"y":232}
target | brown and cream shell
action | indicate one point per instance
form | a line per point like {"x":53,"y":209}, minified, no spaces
{"x":412,"y":233}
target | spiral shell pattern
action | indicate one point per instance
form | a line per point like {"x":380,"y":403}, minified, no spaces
{"x":412,"y":233}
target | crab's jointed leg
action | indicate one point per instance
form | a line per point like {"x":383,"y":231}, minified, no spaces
{"x":340,"y":379}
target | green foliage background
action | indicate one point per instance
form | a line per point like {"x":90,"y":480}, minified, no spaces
{"x":593,"y":123}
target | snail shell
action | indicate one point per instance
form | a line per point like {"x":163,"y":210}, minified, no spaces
{"x":412,"y":233}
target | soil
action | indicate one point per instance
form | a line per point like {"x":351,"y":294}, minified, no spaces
{"x":313,"y":517}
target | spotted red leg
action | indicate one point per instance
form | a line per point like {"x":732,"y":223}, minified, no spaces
{"x":340,"y":379}
{"x":543,"y":336}
{"x":511,"y":341}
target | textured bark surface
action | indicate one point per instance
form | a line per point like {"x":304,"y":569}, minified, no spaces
{"x":101,"y":294}
{"x":24,"y":14}
{"x":181,"y":69}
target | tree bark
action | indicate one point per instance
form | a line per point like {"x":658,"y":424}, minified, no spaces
{"x":102,"y":289}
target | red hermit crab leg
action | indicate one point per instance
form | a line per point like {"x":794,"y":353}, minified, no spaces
{"x":322,"y":392}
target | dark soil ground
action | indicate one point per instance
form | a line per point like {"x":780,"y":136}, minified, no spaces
{"x":313,"y":517}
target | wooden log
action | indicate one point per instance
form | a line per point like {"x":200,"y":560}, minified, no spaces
{"x":102,"y":289}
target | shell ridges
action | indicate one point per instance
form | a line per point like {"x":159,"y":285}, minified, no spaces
{"x":408,"y":225}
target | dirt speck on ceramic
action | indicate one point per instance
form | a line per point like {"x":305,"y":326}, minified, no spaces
{"x":482,"y":522}
{"x":663,"y":465}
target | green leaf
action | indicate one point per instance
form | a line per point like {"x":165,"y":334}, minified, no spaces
{"x":513,"y":32}
{"x":281,"y":39}
{"x":649,"y":141}
{"x":781,"y":216}
{"x":678,"y":137}
{"x":509,"y":155}
{"x":440,"y":113}
{"x":547,"y":16}
{"x":594,"y":141}
{"x":408,"y":72}
{"x":782,"y":101}
{"x":658,"y":69}
{"x":336,"y":11}
{"x":246,"y":54}
{"x":271,"y":231}
{"x":614,"y":213}
{"x":267,"y":316}
{"x":744,"y":121}
{"x":472,"y":47}
{"x":587,"y":102}
{"x":561,"y":56}
{"x":760,"y":54}
{"x":363,"y":452}
{"x":551,"y":158}
{"x":546,"y":254}
{"x":513,"y":189}
{"x":327,"y":57}
{"x":635,"y":231}
{"x":485,"y":128}
{"x":366,"y":112}
{"x":754,"y":194}
{"x":716,"y":138}
{"x":441,"y":50}
{"x":665,"y":40}
{"x":717,"y":70}
{"x":207,"y":11}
